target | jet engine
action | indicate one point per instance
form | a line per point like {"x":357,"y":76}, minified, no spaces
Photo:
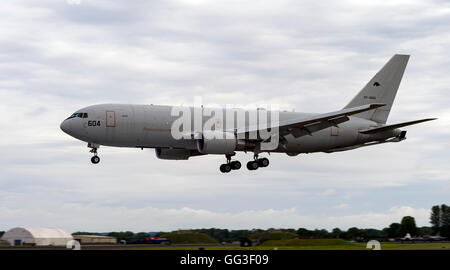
{"x":217,"y":142}
{"x":174,"y":154}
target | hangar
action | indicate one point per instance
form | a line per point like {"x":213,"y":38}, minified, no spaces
{"x":37,"y":236}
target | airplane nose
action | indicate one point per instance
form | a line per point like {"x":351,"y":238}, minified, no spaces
{"x":64,"y":126}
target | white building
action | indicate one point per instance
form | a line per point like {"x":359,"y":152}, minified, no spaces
{"x":37,"y":236}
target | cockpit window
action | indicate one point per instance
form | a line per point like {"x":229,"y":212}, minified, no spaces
{"x":72,"y":116}
{"x":80,"y":115}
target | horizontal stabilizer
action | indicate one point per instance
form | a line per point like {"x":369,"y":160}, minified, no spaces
{"x":394,"y":126}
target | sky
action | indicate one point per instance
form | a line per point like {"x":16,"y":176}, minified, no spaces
{"x":309,"y":56}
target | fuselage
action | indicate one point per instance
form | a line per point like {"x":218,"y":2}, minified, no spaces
{"x":150,"y":126}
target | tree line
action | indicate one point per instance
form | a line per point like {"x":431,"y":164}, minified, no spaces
{"x":439,"y":220}
{"x":395,"y":230}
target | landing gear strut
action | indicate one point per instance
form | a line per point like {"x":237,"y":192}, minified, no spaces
{"x":230,"y":165}
{"x":257,"y":163}
{"x":95,"y":159}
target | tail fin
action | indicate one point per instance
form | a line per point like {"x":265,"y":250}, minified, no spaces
{"x":382,"y":88}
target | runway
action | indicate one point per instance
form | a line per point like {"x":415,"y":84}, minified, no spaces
{"x":115,"y":247}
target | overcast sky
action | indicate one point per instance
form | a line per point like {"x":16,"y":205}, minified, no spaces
{"x":313,"y":56}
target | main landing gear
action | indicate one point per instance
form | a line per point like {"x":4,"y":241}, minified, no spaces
{"x":257,"y":163}
{"x":230,"y":165}
{"x":95,"y":159}
{"x":236,"y":165}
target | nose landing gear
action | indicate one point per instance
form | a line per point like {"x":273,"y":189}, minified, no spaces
{"x":95,"y":159}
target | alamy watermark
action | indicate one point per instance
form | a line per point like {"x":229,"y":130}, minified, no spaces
{"x":73,"y":245}
{"x":231,"y":122}
{"x":373,"y":245}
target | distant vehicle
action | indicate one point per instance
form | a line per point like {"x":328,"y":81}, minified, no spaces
{"x":419,"y":238}
{"x":360,"y":239}
{"x":138,"y":241}
{"x":246,"y":242}
{"x":157,"y":240}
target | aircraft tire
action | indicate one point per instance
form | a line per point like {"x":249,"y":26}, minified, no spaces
{"x":263,"y":162}
{"x":95,"y":159}
{"x":252,"y":165}
{"x":235,"y":165}
{"x":225,"y":168}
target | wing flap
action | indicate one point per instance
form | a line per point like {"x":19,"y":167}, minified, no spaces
{"x":314,"y":127}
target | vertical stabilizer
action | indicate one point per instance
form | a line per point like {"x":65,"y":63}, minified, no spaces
{"x":382,"y":88}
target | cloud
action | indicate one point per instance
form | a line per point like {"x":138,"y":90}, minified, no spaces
{"x":311,"y":56}
{"x":101,"y":218}
{"x":341,"y":206}
{"x":329,"y":192}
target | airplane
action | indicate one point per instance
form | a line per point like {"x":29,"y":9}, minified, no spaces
{"x":437,"y":237}
{"x":361,"y":123}
{"x":430,"y":238}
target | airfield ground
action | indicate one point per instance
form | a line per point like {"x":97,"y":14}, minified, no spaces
{"x":355,"y":246}
{"x":351,"y":246}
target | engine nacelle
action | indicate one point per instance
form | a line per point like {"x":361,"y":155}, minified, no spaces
{"x":217,"y":142}
{"x":173,"y":154}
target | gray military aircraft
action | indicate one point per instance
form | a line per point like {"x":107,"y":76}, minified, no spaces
{"x":359,"y":124}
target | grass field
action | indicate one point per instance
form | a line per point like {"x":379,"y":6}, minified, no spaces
{"x":285,"y":244}
{"x":311,"y":244}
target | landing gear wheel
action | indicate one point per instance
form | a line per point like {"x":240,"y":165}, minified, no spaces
{"x":263,"y":162}
{"x":235,"y":165}
{"x":95,"y":159}
{"x":252,"y":165}
{"x":225,"y":168}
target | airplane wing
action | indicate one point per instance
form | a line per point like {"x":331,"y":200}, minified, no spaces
{"x":307,"y":126}
{"x":394,"y":126}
